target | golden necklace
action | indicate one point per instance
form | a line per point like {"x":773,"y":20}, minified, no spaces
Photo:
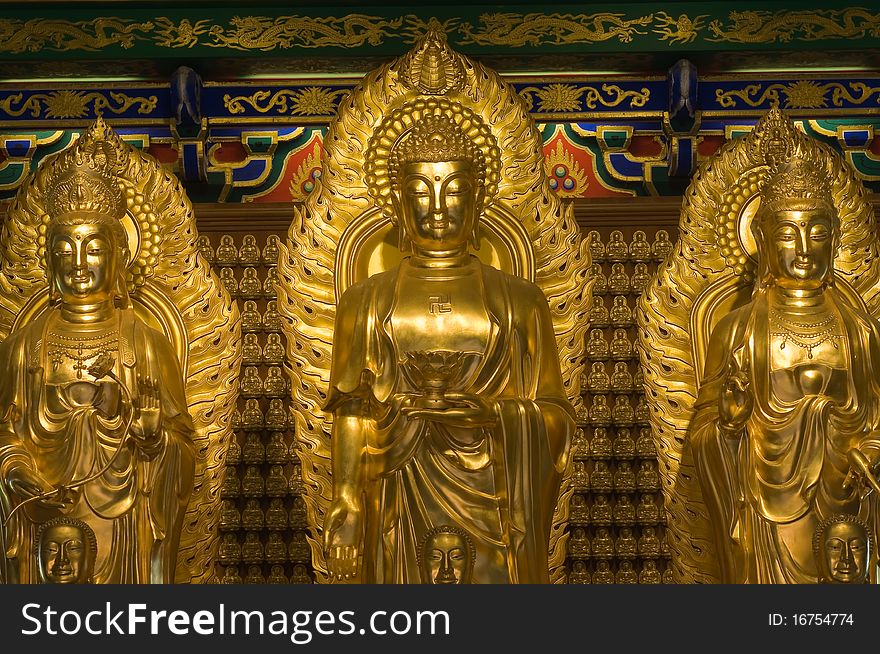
{"x":806,"y":335}
{"x":80,"y":348}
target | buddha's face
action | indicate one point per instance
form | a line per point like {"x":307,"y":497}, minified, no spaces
{"x":438,"y":204}
{"x":446,"y":559}
{"x":65,"y":555}
{"x":799,"y":247}
{"x":85,"y":263}
{"x":844,"y":555}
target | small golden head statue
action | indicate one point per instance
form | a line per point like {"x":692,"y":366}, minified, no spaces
{"x":446,"y":555}
{"x":66,"y":551}
{"x":843,"y":549}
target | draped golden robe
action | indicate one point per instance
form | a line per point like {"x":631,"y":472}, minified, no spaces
{"x":136,"y":507}
{"x":499,"y":485}
{"x":767,"y":491}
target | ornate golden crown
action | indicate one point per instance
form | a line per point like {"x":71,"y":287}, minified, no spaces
{"x":83,"y":179}
{"x":798,"y":180}
{"x":434,"y":139}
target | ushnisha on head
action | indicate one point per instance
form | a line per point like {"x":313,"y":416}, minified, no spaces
{"x":66,"y":550}
{"x":446,"y":555}
{"x":796,"y":227}
{"x":86,"y":244}
{"x":843,"y":548}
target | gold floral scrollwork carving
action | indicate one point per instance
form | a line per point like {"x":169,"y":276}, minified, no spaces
{"x":518,"y":30}
{"x":802,"y":94}
{"x":74,"y":104}
{"x":309,"y":101}
{"x":788,"y":25}
{"x":568,"y":97}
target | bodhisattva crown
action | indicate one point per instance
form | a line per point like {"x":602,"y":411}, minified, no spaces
{"x":83,"y":180}
{"x":794,"y":184}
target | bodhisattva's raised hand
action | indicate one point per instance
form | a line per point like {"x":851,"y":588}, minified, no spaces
{"x":147,"y":411}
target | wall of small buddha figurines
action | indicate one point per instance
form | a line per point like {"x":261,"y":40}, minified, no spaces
{"x":616,"y":529}
{"x":617,"y":523}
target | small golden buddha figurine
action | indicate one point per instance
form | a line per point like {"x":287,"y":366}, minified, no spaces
{"x":600,"y":412}
{"x":600,"y":444}
{"x":667,"y":576}
{"x":642,"y":412}
{"x":647,"y":478}
{"x":276,"y":482}
{"x":252,"y":484}
{"x":66,"y":552}
{"x":276,"y":515}
{"x":251,"y":321}
{"x":639,"y":380}
{"x":277,"y":576}
{"x":276,"y":450}
{"x":231,"y":576}
{"x":251,"y":352}
{"x":843,"y":548}
{"x":599,"y":315}
{"x":600,"y":281}
{"x":580,"y":479}
{"x":230,"y":516}
{"x":296,"y":485}
{"x":579,"y":573}
{"x":251,"y":385}
{"x":227,"y":278}
{"x":254,"y":575}
{"x":598,"y":380}
{"x":621,"y":315}
{"x":623,"y":446}
{"x":298,"y":512}
{"x":649,"y":544}
{"x":579,"y":510}
{"x":603,"y":573}
{"x":624,"y":511}
{"x":616,"y":249}
{"x":298,"y":550}
{"x":252,"y":549}
{"x":649,"y":573}
{"x":275,"y":384}
{"x":639,"y":249}
{"x":227,"y":253}
{"x":621,"y":348}
{"x":94,"y":423}
{"x":621,"y":380}
{"x":640,"y":278}
{"x":273,"y":351}
{"x":626,"y":574}
{"x":252,"y":518}
{"x":249,"y":253}
{"x":600,"y":512}
{"x":603,"y":544}
{"x":300,"y":575}
{"x":270,"y":251}
{"x":665,"y":550}
{"x":661,"y":245}
{"x":249,"y":285}
{"x":582,"y":417}
{"x":597,"y":248}
{"x":579,"y":544}
{"x":231,"y":487}
{"x":270,"y":283}
{"x":445,"y":386}
{"x":597,"y":346}
{"x":271,"y":320}
{"x":235,"y":419}
{"x":233,"y":452}
{"x":276,"y":550}
{"x":230,"y":550}
{"x":624,"y":478}
{"x":625,"y":544}
{"x":447,"y":556}
{"x":622,"y":415}
{"x":253,"y":451}
{"x":618,"y":281}
{"x":647,"y":511}
{"x":203,"y":243}
{"x":276,"y":414}
{"x":645,"y":447}
{"x":786,"y":431}
{"x":580,"y":446}
{"x":601,"y":479}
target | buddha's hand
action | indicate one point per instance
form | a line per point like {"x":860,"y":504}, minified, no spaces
{"x":736,"y":402}
{"x":862,"y":472}
{"x":28,"y":484}
{"x":147,"y":412}
{"x":475,"y":411}
{"x":343,"y":532}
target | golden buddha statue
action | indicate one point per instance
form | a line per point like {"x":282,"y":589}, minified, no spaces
{"x":451,"y":387}
{"x":447,"y":556}
{"x":270,"y":251}
{"x":843,"y":549}
{"x":785,"y":426}
{"x":66,"y":551}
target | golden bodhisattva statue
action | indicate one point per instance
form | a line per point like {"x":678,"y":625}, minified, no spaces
{"x":785,"y":432}
{"x":96,"y":426}
{"x":450,"y":416}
